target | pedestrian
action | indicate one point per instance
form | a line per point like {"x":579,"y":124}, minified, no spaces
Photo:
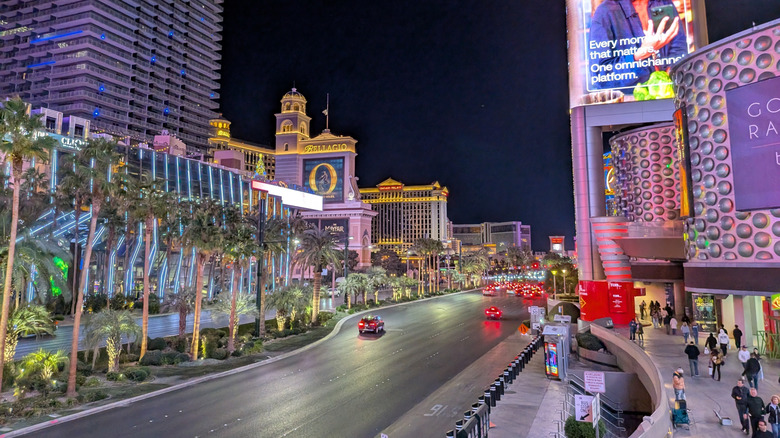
{"x":632,"y":330}
{"x":711,"y":343}
{"x":695,"y":331}
{"x":761,"y":366}
{"x":716,"y":360}
{"x":686,"y":319}
{"x":678,"y":383}
{"x":654,"y":316}
{"x":773,"y":415}
{"x":686,"y":332}
{"x":752,"y":368}
{"x":693,"y":358}
{"x":723,"y":340}
{"x":755,"y":407}
{"x":763,"y":431}
{"x":740,"y":394}
{"x":667,"y":322}
{"x":673,"y":325}
{"x":737,"y":336}
{"x":640,"y":333}
{"x":743,"y":356}
{"x":642,"y":309}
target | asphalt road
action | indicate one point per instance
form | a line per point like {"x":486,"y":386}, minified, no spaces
{"x":348,"y":386}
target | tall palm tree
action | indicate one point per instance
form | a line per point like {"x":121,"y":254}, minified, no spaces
{"x":26,"y":320}
{"x":182,"y":303}
{"x":21,"y":145}
{"x":318,"y":249}
{"x":97,"y":160}
{"x":110,"y":325}
{"x":149,"y":203}
{"x":114,"y":221}
{"x":202,"y":232}
{"x":231,"y":310}
{"x":241,"y":246}
{"x":377,"y":277}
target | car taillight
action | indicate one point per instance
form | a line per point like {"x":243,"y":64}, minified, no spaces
{"x":361,"y":324}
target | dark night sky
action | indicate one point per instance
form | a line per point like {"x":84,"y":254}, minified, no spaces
{"x":472,"y":93}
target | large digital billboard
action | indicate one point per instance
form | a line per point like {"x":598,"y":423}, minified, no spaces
{"x":753,"y":113}
{"x":339,"y":228}
{"x":618,"y":53}
{"x":325,"y":177}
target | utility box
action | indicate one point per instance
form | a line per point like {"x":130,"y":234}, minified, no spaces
{"x":556,"y":350}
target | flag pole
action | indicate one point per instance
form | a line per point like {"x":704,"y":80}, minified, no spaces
{"x":327,"y":110}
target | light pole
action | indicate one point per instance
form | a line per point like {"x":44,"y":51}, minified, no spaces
{"x":555,"y":286}
{"x":564,"y":282}
{"x":346,"y":254}
{"x":408,"y":256}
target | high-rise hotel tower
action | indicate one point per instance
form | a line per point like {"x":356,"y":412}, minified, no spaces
{"x":133,"y":68}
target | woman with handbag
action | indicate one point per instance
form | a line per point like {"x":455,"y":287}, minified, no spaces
{"x":716,"y":360}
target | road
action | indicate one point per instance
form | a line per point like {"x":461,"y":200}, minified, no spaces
{"x":351,"y":385}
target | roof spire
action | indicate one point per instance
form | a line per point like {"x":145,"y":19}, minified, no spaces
{"x":326,"y":111}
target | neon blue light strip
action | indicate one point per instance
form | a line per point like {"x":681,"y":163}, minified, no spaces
{"x":232,"y":283}
{"x":210,"y":294}
{"x":178,"y":273}
{"x":129,"y":280}
{"x":192,"y":268}
{"x":162,"y":277}
{"x":178,"y":179}
{"x":221,"y":186}
{"x":53,"y":37}
{"x":189,"y":180}
{"x":98,"y":235}
{"x":112,"y":266}
{"x":84,"y":218}
{"x":154,"y":165}
{"x":211,"y":183}
{"x":41,"y":64}
{"x":232,"y":197}
{"x":31,"y":284}
{"x":241,"y":193}
{"x":167,"y":189}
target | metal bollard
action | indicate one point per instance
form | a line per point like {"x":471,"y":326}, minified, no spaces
{"x":450,"y":434}
{"x":467,"y":416}
{"x":480,"y":400}
{"x":501,"y":385}
{"x":489,"y":400}
{"x":459,"y":425}
{"x":494,"y":393}
{"x":507,"y":377}
{"x":519,"y":365}
{"x":512,"y":370}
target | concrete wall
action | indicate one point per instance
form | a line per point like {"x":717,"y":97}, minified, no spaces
{"x":632,"y":359}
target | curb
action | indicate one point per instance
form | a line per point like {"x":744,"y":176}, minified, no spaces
{"x":192,"y":382}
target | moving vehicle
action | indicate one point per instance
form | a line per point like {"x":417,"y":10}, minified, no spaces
{"x":493,"y":312}
{"x":489,"y":290}
{"x":371,"y":323}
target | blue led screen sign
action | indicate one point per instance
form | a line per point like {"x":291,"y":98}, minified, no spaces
{"x":325,"y":177}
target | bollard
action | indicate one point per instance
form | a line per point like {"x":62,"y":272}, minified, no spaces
{"x":512,"y":370}
{"x":489,"y":400}
{"x":467,"y":416}
{"x":494,"y":392}
{"x":450,"y":434}
{"x":501,"y":385}
{"x":507,"y":377}
{"x":459,"y":425}
{"x":480,"y":400}
{"x":521,"y":361}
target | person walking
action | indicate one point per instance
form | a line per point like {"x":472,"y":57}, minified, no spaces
{"x":755,"y":408}
{"x":667,"y":322}
{"x":773,"y":415}
{"x":752,"y":368}
{"x":693,"y":358}
{"x":632,"y":330}
{"x":695,"y":331}
{"x":686,"y":332}
{"x":640,"y":333}
{"x":678,"y":384}
{"x":723,"y":340}
{"x":761,"y":366}
{"x":737,"y":336}
{"x":654,"y":316}
{"x":716,"y":360}
{"x":763,"y":431}
{"x":711,"y":343}
{"x":743,"y":356}
{"x":673,"y":325}
{"x":642,"y":310}
{"x":740,"y":394}
{"x":686,"y":319}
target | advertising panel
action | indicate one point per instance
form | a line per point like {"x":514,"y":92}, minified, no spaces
{"x":753,"y":113}
{"x":600,"y":299}
{"x":684,"y":160}
{"x":551,"y":359}
{"x":619,"y":296}
{"x":339,"y":228}
{"x":619,"y":54}
{"x":326,"y":178}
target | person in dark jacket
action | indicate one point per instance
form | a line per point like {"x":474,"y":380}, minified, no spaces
{"x":740,"y":394}
{"x":711,"y":342}
{"x":762,"y":431}
{"x":755,"y":408}
{"x":632,"y":330}
{"x":693,"y":358}
{"x":773,"y":415}
{"x":737,"y":336}
{"x":752,"y":368}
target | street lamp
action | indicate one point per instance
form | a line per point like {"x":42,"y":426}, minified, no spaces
{"x":564,"y":282}
{"x":555,"y":286}
{"x":346,"y":254}
{"x":408,"y":256}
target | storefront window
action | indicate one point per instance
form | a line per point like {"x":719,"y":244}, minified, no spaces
{"x":704,"y":312}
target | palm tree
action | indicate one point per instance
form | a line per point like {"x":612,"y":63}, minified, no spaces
{"x":231,"y":310}
{"x":26,"y":320}
{"x":317,"y":250}
{"x":289,"y":301}
{"x":377,"y":277}
{"x":22,"y":146}
{"x":96,"y":160}
{"x":407,"y":284}
{"x":43,"y":364}
{"x":109,"y":326}
{"x":241,"y":246}
{"x":353,"y":285}
{"x":182,"y":303}
{"x":114,"y":221}
{"x":149,"y":203}
{"x":203,"y":233}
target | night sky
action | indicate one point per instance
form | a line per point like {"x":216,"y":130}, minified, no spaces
{"x":472,"y":93}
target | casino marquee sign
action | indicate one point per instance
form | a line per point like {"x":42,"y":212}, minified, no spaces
{"x":324,"y":148}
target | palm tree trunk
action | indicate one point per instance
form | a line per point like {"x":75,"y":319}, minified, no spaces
{"x":109,"y":248}
{"x":198,"y":302}
{"x":9,"y":267}
{"x":182,"y":320}
{"x":76,"y":253}
{"x":231,"y":346}
{"x":74,"y":345}
{"x":261,"y":290}
{"x":317,"y":284}
{"x":147,"y":265}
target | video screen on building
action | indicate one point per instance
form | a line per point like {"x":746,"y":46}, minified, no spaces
{"x":684,"y":159}
{"x":339,"y":228}
{"x":326,"y":178}
{"x":752,"y":114}
{"x":620,"y":54}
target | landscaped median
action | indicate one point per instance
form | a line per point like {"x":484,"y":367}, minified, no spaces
{"x":38,"y":397}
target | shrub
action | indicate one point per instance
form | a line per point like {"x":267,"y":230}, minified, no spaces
{"x":131,"y":357}
{"x":58,"y":317}
{"x":220,"y":333}
{"x":169,"y":357}
{"x":181,"y":344}
{"x":581,"y":429}
{"x":153,"y":357}
{"x":81,"y":379}
{"x":137,"y":374}
{"x":91,"y":396}
{"x":154,"y":304}
{"x":156,"y":344}
{"x":91,"y":382}
{"x":236,"y":353}
{"x":83,"y":368}
{"x":182,"y":357}
{"x":118,"y":301}
{"x":252,"y":347}
{"x":589,"y":341}
{"x":219,"y":354}
{"x":95,"y":303}
{"x":114,"y":376}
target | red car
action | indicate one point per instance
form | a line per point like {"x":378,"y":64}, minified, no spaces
{"x":371,"y":323}
{"x":493,"y":312}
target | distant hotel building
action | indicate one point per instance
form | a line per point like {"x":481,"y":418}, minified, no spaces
{"x":240,"y":154}
{"x":130,"y":69}
{"x":495,"y":236}
{"x":406,"y":214}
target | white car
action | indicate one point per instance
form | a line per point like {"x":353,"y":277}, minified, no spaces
{"x":332,"y":292}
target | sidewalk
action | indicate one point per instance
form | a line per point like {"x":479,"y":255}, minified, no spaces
{"x":702,"y":393}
